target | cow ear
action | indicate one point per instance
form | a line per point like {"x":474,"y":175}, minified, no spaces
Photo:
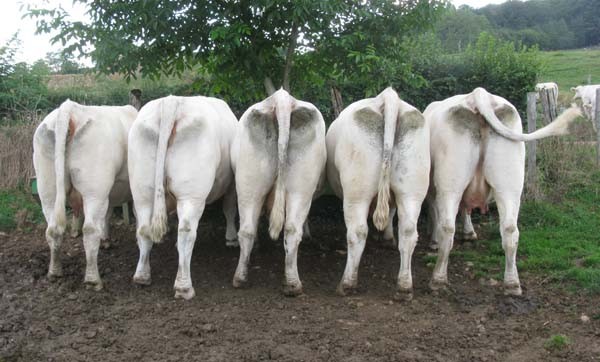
{"x":573,"y":89}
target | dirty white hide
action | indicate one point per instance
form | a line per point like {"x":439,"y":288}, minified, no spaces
{"x":587,"y":94}
{"x":278,"y":157}
{"x":378,"y":152}
{"x":477,"y":152}
{"x":550,"y":86}
{"x":179,"y":150}
{"x":80,"y":155}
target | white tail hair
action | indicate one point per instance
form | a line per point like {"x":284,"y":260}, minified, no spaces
{"x":158,"y":223}
{"x":61,"y":130}
{"x":283,"y":109}
{"x":390,"y":119}
{"x":559,"y":127}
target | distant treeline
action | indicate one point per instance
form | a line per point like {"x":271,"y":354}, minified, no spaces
{"x":551,"y":24}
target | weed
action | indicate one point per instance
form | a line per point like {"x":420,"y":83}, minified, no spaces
{"x":557,"y":342}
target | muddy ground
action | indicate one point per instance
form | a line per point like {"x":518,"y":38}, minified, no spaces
{"x":473,"y":321}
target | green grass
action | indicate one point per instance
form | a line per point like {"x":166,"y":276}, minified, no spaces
{"x":559,"y":242}
{"x":557,"y":342}
{"x":570,"y":68}
{"x":13,"y":201}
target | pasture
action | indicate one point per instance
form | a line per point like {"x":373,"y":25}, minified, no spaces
{"x":570,"y":68}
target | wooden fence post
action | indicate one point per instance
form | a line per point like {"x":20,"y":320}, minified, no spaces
{"x":548,"y":99}
{"x":596,"y":120}
{"x":531,"y":181}
{"x":135,"y":98}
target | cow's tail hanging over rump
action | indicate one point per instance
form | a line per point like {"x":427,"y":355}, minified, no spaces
{"x":390,"y":119}
{"x":158,"y":223}
{"x":283,"y":109}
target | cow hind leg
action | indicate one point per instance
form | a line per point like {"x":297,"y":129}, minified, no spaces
{"x":105,"y":238}
{"x":508,"y":209}
{"x":230,"y":210}
{"x":249,"y":214}
{"x":142,"y":274}
{"x":189,"y":213}
{"x":76,"y":224}
{"x":296,"y":214}
{"x":54,"y":240}
{"x":355,"y":216}
{"x":408,"y":215}
{"x":93,"y":225}
{"x":388,"y":233}
{"x":446,"y":209}
{"x":468,"y":229}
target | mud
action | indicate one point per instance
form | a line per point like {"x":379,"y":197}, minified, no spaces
{"x":471,"y":321}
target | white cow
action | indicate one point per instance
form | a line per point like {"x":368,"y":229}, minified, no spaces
{"x":179,"y":148}
{"x":80,"y":153}
{"x":587,"y":94}
{"x":378,"y":152}
{"x":551,"y":86}
{"x":477,"y":152}
{"x":278,"y":157}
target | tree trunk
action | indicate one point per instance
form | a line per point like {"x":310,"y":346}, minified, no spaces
{"x":135,"y":98}
{"x":289,"y":56}
{"x":336,"y":102}
{"x":269,"y":87}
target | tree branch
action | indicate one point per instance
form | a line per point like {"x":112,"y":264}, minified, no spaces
{"x":289,"y":56}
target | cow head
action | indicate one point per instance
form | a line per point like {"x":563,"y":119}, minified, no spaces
{"x":577,"y":91}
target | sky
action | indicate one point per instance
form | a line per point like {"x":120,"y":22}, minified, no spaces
{"x":35,"y":47}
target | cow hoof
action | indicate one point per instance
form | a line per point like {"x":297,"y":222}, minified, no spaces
{"x":185,"y":293}
{"x":292,"y":290}
{"x":232,"y":243}
{"x":513,"y":289}
{"x":140,"y":280}
{"x":240,"y":283}
{"x":105,"y":244}
{"x":403,"y":295}
{"x":54,"y":275}
{"x":95,"y":286}
{"x":433,"y":245}
{"x":437,"y":285}
{"x":469,"y":236}
{"x":344,"y":289}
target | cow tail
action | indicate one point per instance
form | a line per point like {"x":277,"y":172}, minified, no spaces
{"x":560,"y":126}
{"x":158,"y":223}
{"x":283,"y":110}
{"x":390,"y":119}
{"x":61,"y":131}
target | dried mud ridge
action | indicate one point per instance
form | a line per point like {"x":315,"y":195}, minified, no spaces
{"x":472,"y":321}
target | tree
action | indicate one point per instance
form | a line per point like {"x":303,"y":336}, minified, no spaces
{"x":240,"y":45}
{"x":22,"y":88}
{"x":63,"y":63}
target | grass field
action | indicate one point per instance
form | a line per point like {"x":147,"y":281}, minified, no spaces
{"x":570,"y":68}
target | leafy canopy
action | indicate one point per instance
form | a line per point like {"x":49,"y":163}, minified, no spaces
{"x":239,"y":44}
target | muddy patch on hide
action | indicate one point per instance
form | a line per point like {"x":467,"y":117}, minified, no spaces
{"x":465,"y":121}
{"x":409,"y":121}
{"x":262,"y":129}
